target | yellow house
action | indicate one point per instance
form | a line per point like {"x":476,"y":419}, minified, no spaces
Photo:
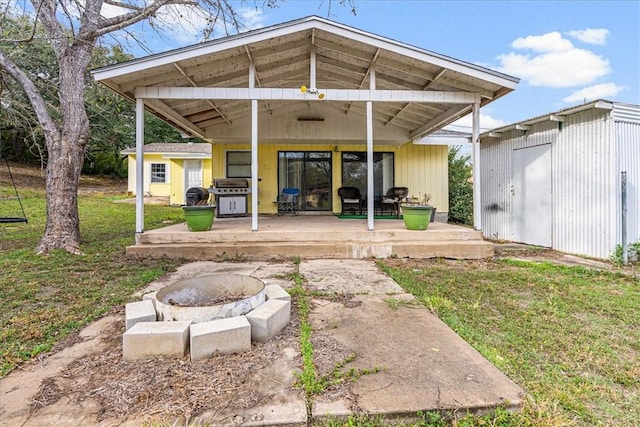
{"x":314,"y":105}
{"x":170,"y":169}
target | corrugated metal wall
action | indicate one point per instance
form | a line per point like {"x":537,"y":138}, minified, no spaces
{"x":587,"y":156}
{"x":584,"y":187}
{"x":496,"y":173}
{"x":628,"y":140}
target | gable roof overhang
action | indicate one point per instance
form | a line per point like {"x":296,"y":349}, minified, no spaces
{"x":205,"y":90}
{"x":557,"y":116}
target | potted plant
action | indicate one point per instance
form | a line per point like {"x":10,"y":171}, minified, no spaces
{"x":199,"y":217}
{"x":417,"y":212}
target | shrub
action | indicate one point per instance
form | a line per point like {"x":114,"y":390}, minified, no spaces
{"x":460,"y":188}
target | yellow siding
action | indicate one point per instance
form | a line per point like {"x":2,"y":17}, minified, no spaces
{"x":424,"y":170}
{"x":174,"y":189}
{"x":421,"y":168}
{"x":178,"y":191}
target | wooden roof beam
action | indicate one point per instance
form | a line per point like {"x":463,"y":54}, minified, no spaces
{"x":194,"y":84}
{"x":266,"y":104}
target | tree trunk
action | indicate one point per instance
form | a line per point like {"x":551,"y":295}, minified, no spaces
{"x":65,"y":157}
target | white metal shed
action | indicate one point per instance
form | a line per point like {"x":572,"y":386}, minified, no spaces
{"x":555,"y":180}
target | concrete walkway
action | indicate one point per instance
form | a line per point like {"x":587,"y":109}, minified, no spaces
{"x":423,"y":365}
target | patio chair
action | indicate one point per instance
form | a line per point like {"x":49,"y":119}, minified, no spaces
{"x":350,"y":198}
{"x":392,"y":199}
{"x":288,"y":201}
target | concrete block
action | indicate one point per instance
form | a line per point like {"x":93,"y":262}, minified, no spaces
{"x":149,"y":339}
{"x":269,"y":319}
{"x":276,"y":292}
{"x":151,"y":297}
{"x":140,"y":311}
{"x":221,"y":336}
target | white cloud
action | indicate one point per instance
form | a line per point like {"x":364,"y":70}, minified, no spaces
{"x":550,"y":42}
{"x":591,"y":93}
{"x":465,"y":124}
{"x":597,"y":36}
{"x":252,"y":18}
{"x":555,"y":62}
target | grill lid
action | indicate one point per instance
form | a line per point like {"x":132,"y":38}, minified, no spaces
{"x":231,"y":183}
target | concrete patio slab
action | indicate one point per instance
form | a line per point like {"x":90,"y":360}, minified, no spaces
{"x":424,"y":365}
{"x":347,"y":276}
{"x":311,"y":237}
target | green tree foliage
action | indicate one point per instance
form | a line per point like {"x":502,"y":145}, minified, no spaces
{"x":111,"y":117}
{"x":460,"y":188}
{"x":22,"y":137}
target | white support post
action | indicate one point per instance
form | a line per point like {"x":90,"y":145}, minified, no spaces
{"x":254,"y":151}
{"x":370,"y":165}
{"x":139,"y":165}
{"x":370,"y":195}
{"x":312,"y":68}
{"x":475,"y":140}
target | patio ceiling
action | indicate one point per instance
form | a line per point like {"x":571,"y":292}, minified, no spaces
{"x":204,"y":89}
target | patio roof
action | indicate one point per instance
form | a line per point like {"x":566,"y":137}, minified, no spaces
{"x":205,"y":89}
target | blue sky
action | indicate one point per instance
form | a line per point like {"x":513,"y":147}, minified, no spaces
{"x":564,"y":52}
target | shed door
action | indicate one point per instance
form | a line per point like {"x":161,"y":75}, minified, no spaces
{"x":531,"y":215}
{"x":192,"y":174}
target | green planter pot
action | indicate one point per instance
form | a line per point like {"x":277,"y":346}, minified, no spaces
{"x":416,"y":217}
{"x":199,"y":218}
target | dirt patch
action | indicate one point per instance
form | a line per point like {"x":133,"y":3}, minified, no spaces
{"x":159,"y":389}
{"x":29,"y":177}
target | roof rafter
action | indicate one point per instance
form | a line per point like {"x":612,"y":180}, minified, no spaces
{"x":194,"y":84}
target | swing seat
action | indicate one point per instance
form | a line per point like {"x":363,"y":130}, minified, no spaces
{"x":9,"y":220}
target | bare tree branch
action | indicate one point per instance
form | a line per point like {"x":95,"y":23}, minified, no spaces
{"x":53,"y":28}
{"x":123,"y":5}
{"x":128,"y":19}
{"x":37,"y":101}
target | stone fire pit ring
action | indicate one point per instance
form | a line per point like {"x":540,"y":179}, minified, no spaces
{"x":205,"y":298}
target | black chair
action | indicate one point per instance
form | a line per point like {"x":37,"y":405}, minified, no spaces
{"x":392,"y":199}
{"x":350,"y":198}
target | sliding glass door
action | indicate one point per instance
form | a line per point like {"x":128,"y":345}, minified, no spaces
{"x":310,"y":172}
{"x":354,"y":171}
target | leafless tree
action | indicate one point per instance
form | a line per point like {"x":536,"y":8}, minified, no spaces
{"x":73,"y":28}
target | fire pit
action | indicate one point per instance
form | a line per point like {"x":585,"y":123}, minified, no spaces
{"x":208,"y":315}
{"x":201,"y":299}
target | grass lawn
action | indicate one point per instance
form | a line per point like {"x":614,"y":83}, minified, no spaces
{"x":46,"y":298}
{"x":569,"y":336}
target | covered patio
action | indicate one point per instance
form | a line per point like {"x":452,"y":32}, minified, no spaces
{"x":311,"y":237}
{"x":318,"y":90}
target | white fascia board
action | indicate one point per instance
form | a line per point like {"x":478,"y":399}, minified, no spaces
{"x":186,"y":156}
{"x":443,"y":140}
{"x":288,"y":94}
{"x":558,"y":116}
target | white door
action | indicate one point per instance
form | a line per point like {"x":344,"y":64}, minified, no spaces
{"x":531,"y":195}
{"x":192,"y":174}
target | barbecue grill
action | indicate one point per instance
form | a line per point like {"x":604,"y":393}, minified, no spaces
{"x":231,"y":196}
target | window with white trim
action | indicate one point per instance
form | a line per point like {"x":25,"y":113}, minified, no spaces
{"x":159,"y":172}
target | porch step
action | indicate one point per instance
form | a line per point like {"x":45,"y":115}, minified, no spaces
{"x":304,"y":236}
{"x":258,"y":250}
